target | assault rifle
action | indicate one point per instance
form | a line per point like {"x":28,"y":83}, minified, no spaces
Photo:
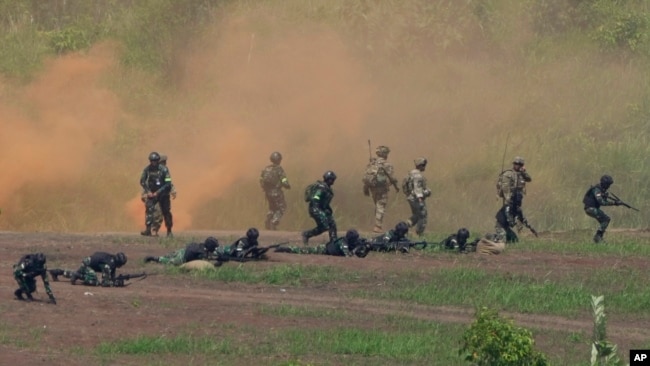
{"x":403,"y":246}
{"x":619,"y":202}
{"x":119,"y":280}
{"x":251,"y":254}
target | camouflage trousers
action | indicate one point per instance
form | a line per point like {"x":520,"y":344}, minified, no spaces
{"x":505,"y":233}
{"x":88,"y":276}
{"x":600,"y":216}
{"x":26,"y":283}
{"x":175,"y":258}
{"x":319,"y":249}
{"x":163,"y":204}
{"x":418,"y":216}
{"x":157,"y":219}
{"x":277,"y":208}
{"x":380,"y":198}
{"x":324,"y":222}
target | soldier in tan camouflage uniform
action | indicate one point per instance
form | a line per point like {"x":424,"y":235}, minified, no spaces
{"x":272,"y":180}
{"x":376,"y":183}
{"x":514,"y":189}
{"x":416,"y":191}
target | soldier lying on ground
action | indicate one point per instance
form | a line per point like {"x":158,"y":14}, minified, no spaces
{"x":347,"y":246}
{"x":394,"y":240}
{"x":102,"y":262}
{"x":457,"y":241}
{"x":191,"y":252}
{"x":25,"y":272}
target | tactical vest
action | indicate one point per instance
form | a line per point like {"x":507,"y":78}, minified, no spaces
{"x":590,"y":198}
{"x":155,"y":179}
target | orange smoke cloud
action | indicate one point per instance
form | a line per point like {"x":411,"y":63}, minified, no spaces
{"x":52,"y":125}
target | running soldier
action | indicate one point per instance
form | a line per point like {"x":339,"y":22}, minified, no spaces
{"x":595,"y":197}
{"x":272,"y":180}
{"x":416,"y":191}
{"x":376,"y":183}
{"x":156,"y":183}
{"x":319,"y":195}
{"x":101,"y":262}
{"x":25,"y":272}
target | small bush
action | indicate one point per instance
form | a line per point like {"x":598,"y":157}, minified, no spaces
{"x":494,"y":341}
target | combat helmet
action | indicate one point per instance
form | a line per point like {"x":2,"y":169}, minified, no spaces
{"x":606,"y":181}
{"x":462,"y":235}
{"x":351,"y":236}
{"x":210,"y":244}
{"x":120,"y":259}
{"x":382,"y":151}
{"x":518,"y":160}
{"x":420,"y":162}
{"x":401,"y":228}
{"x":154,"y":156}
{"x":252,"y":234}
{"x":329,"y":177}
{"x":163,"y":158}
{"x":276,"y":157}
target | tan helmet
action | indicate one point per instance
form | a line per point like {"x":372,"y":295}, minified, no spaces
{"x":518,"y":160}
{"x":420,"y":162}
{"x":163,"y":158}
{"x":382,"y":151}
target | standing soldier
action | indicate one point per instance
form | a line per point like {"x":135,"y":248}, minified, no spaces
{"x":416,"y":191}
{"x":595,"y":197}
{"x":319,"y":195}
{"x":25,"y":272}
{"x":272,"y":180}
{"x":156,"y":183}
{"x":512,"y":188}
{"x":158,"y":215}
{"x":377,"y":182}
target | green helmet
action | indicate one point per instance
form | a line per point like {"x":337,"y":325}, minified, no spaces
{"x":420,"y":162}
{"x":382,"y":151}
{"x":154,"y":156}
{"x":276,"y":157}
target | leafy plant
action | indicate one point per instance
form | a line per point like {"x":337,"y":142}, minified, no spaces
{"x":494,"y":341}
{"x":603,"y":353}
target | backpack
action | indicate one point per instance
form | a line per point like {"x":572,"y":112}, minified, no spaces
{"x":267,"y":178}
{"x":310,"y":191}
{"x":501,"y":182}
{"x":407,"y":185}
{"x":375,"y":176}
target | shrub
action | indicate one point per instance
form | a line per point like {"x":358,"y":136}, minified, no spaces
{"x":495,"y":341}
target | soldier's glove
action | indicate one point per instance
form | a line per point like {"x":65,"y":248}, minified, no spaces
{"x":52,"y":299}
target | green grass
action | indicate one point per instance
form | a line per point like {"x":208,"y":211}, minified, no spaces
{"x":281,"y":274}
{"x":624,"y":290}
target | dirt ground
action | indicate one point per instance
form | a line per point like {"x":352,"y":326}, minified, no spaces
{"x":39,"y":333}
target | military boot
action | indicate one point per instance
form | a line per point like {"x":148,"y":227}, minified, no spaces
{"x":169,"y":233}
{"x":150,"y":258}
{"x":19,"y":294}
{"x":599,"y":236}
{"x":146,"y":232}
{"x":55,"y":273}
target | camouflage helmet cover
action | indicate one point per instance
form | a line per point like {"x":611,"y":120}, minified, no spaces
{"x":518,"y":160}
{"x":382,"y":151}
{"x":420,"y":162}
{"x":163,"y":158}
{"x":276,"y":157}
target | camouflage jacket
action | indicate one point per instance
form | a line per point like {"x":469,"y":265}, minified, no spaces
{"x":156,"y":179}
{"x":273,"y":178}
{"x":516,"y":183}
{"x":417,"y":186}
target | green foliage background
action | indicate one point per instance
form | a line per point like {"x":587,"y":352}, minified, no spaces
{"x":581,"y":67}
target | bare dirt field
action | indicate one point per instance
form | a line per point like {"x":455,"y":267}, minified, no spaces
{"x":163,"y":305}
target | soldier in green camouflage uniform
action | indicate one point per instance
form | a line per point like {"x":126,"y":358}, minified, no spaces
{"x":320,"y":209}
{"x":392,"y":239}
{"x":101,"y":262}
{"x":349,"y":245}
{"x":25,"y":272}
{"x":191,"y":252}
{"x":272,"y":180}
{"x":415,"y":188}
{"x":157,"y":214}
{"x":156,"y":182}
{"x":595,"y":197}
{"x":378,"y":184}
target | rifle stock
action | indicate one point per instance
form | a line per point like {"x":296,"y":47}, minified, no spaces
{"x":126,"y":277}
